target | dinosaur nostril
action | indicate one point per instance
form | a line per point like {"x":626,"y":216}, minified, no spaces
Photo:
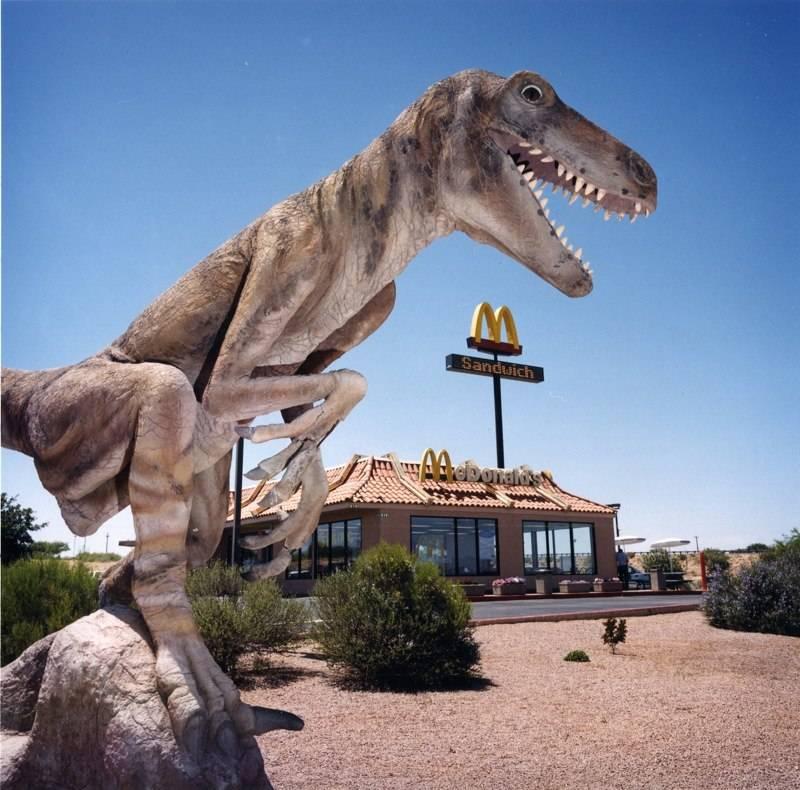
{"x":641,"y":171}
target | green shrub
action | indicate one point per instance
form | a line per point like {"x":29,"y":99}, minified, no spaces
{"x":615,"y":632}
{"x":576,"y":655}
{"x":236,"y":617}
{"x":659,"y":560}
{"x":756,"y":548}
{"x":40,"y":597}
{"x":394,"y":622}
{"x":716,"y":560}
{"x":215,"y":580}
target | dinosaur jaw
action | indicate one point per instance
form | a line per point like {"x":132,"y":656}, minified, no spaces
{"x":537,"y":169}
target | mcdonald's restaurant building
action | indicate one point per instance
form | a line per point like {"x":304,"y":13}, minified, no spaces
{"x":476,"y":524}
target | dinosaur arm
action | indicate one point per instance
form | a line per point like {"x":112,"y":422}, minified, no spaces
{"x":357,"y":329}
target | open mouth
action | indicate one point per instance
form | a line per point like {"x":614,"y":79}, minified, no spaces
{"x":539,"y":170}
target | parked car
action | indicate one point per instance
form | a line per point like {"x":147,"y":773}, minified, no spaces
{"x":640,"y":579}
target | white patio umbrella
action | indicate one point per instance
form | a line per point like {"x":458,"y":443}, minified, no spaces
{"x":626,"y":540}
{"x":669,"y":543}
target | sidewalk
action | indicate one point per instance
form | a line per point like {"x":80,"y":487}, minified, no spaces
{"x":579,"y":607}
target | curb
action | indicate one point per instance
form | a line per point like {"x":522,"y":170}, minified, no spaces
{"x":556,"y":617}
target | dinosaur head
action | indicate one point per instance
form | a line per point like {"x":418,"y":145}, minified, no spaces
{"x":506,"y":142}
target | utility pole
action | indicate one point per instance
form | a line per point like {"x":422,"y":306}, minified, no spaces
{"x":237,"y":503}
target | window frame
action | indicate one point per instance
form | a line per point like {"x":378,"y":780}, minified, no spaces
{"x":550,"y":552}
{"x":314,"y":573}
{"x":455,"y":527}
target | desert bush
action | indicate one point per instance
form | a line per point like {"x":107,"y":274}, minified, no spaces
{"x":237,"y":617}
{"x":97,"y":556}
{"x":576,"y":655}
{"x":755,"y":548}
{"x":615,"y":632}
{"x":394,"y":622}
{"x":763,"y":597}
{"x":659,"y":559}
{"x":216,"y":579}
{"x":40,"y":597}
{"x":716,"y":560}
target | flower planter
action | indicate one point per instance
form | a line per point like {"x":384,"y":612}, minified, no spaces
{"x":512,"y":588}
{"x":568,"y":586}
{"x":473,"y":590}
{"x":608,"y":586}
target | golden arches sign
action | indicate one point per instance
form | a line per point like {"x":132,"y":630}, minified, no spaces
{"x":494,"y":320}
{"x":437,"y":462}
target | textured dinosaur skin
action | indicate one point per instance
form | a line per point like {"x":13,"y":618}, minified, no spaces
{"x":150,"y":420}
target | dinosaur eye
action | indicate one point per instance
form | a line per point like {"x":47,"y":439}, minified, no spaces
{"x":531,"y":93}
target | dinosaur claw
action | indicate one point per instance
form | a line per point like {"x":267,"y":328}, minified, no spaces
{"x":194,"y":735}
{"x":227,"y":739}
{"x":267,"y":719}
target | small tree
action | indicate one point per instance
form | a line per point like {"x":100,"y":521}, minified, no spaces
{"x":16,"y":524}
{"x":716,"y":560}
{"x":659,"y":560}
{"x":615,"y":632}
{"x":394,"y":622}
{"x":235,"y":617}
{"x":48,"y":549}
{"x":40,"y":597}
{"x":756,"y":548}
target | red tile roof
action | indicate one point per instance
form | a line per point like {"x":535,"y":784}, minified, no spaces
{"x":369,"y":479}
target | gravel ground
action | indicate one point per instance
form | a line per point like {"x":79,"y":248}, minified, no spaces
{"x":681,"y":705}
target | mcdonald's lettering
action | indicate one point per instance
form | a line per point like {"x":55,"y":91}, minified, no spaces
{"x":494,"y":321}
{"x":470,"y":472}
{"x":485,"y":367}
{"x":436,"y":463}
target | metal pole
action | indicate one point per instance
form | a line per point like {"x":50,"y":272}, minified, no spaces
{"x":498,"y":420}
{"x":237,"y":506}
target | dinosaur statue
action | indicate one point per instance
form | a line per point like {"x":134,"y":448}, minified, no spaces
{"x":150,"y":421}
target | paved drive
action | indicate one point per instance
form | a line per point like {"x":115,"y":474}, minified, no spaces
{"x":490,"y":610}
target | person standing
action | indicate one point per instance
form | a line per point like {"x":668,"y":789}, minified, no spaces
{"x":622,"y":567}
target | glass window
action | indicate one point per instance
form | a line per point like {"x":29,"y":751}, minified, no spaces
{"x":433,"y":540}
{"x":582,"y":548}
{"x":459,"y":547}
{"x":353,"y":540}
{"x":561,"y":546}
{"x":487,"y":545}
{"x":338,"y":555}
{"x":323,"y":549}
{"x":331,"y":548}
{"x":467,"y":547}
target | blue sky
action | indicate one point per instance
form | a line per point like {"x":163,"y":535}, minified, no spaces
{"x":138,"y":137}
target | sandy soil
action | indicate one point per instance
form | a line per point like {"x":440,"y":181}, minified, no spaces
{"x":682,"y":705}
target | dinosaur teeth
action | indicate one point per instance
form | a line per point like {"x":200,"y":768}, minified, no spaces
{"x":543,"y":202}
{"x":579,"y":182}
{"x":559,"y":231}
{"x":528,"y":176}
{"x":585,"y":202}
{"x":589,"y":189}
{"x":634,"y":218}
{"x":547,"y":159}
{"x":579,"y":252}
{"x":569,"y":176}
{"x":536,"y":151}
{"x":521,"y":168}
{"x":638,"y":207}
{"x":561,"y":169}
{"x":601,"y":193}
{"x":607,"y":216}
{"x":573,"y":198}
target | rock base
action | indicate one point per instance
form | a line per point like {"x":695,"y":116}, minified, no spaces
{"x":81,"y":710}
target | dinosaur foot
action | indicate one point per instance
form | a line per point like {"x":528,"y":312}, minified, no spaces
{"x":206,"y":711}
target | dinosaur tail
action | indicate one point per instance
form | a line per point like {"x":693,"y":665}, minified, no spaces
{"x":16,"y":389}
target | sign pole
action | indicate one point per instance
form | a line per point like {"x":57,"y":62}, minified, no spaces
{"x":498,"y":420}
{"x":237,"y":504}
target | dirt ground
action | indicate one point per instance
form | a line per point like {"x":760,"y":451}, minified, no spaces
{"x":691,"y":563}
{"x":682,"y":705}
